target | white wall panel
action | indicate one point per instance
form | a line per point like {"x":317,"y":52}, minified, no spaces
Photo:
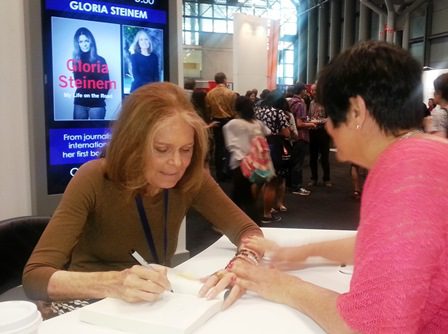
{"x":15,"y":189}
{"x":249,"y":53}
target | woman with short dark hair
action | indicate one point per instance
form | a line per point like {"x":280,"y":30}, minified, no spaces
{"x":373,"y":95}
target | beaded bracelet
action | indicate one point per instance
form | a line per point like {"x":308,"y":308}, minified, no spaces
{"x":250,"y":253}
{"x":245,"y":254}
{"x":249,"y":259}
{"x":244,"y":258}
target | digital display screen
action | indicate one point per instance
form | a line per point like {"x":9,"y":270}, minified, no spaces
{"x":95,"y":53}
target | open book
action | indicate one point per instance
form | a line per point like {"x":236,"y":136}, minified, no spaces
{"x":180,"y":312}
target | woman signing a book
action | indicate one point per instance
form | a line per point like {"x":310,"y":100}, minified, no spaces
{"x":135,"y":198}
{"x":373,"y":95}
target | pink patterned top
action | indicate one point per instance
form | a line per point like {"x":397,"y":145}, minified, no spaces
{"x":400,"y":281}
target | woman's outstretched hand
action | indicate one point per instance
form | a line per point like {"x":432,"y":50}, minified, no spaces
{"x":283,"y":258}
{"x":220,"y":281}
{"x":268,"y":283}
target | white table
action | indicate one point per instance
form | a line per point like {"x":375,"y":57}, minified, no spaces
{"x":250,"y":314}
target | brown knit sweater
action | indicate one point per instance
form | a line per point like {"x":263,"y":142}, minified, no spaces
{"x":96,"y":225}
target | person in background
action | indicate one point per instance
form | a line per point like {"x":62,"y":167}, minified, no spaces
{"x":89,"y":103}
{"x":300,"y":149}
{"x":198,"y":101}
{"x":400,"y":252}
{"x":144,"y":62}
{"x":431,"y":104}
{"x":271,"y":114}
{"x":135,"y":198}
{"x":292,"y":121}
{"x":238,"y":135}
{"x":255,"y":92}
{"x":288,"y":138}
{"x":251,"y":95}
{"x":220,"y":102}
{"x":289,"y":93}
{"x":427,"y":121}
{"x":199,"y":104}
{"x":439,"y":124}
{"x":427,"y":118}
{"x":356,"y":174}
{"x":264,"y":93}
{"x":319,"y":142}
{"x":189,"y":85}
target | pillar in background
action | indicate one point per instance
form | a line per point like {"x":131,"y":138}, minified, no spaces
{"x":363,"y":22}
{"x":335,"y":28}
{"x":348,"y":28}
{"x":322,"y":44}
{"x":302,"y":40}
{"x":312,"y":46}
{"x":381,"y":29}
{"x":274,"y":35}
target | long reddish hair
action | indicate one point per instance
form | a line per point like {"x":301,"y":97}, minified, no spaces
{"x":142,"y":113}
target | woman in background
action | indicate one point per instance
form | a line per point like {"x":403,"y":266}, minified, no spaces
{"x":144,"y":62}
{"x":238,"y":134}
{"x":251,"y":95}
{"x":439,"y":115}
{"x":89,"y":103}
{"x":431,"y":104}
{"x":271,"y":113}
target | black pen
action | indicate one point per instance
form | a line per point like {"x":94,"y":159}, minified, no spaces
{"x":140,"y":260}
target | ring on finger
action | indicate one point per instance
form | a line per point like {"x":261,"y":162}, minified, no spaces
{"x":219,"y":274}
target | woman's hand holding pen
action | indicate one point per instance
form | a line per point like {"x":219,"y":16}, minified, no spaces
{"x":140,"y":283}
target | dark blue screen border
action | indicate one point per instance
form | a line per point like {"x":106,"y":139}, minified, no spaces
{"x":111,"y":10}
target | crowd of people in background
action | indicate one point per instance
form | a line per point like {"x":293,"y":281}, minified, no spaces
{"x":296,"y":133}
{"x":294,"y":126}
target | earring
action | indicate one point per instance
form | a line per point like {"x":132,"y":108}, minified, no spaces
{"x":358,"y":126}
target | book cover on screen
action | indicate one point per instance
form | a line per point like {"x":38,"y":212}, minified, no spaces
{"x":86,"y":68}
{"x":180,"y":312}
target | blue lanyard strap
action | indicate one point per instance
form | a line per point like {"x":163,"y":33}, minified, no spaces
{"x":147,"y":228}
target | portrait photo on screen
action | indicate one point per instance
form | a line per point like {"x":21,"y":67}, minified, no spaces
{"x":142,"y":57}
{"x":86,"y":70}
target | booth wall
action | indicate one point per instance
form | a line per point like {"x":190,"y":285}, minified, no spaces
{"x":249,"y":53}
{"x":15,"y":189}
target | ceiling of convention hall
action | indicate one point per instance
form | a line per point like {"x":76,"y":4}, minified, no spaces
{"x":383,"y":5}
{"x":399,"y":5}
